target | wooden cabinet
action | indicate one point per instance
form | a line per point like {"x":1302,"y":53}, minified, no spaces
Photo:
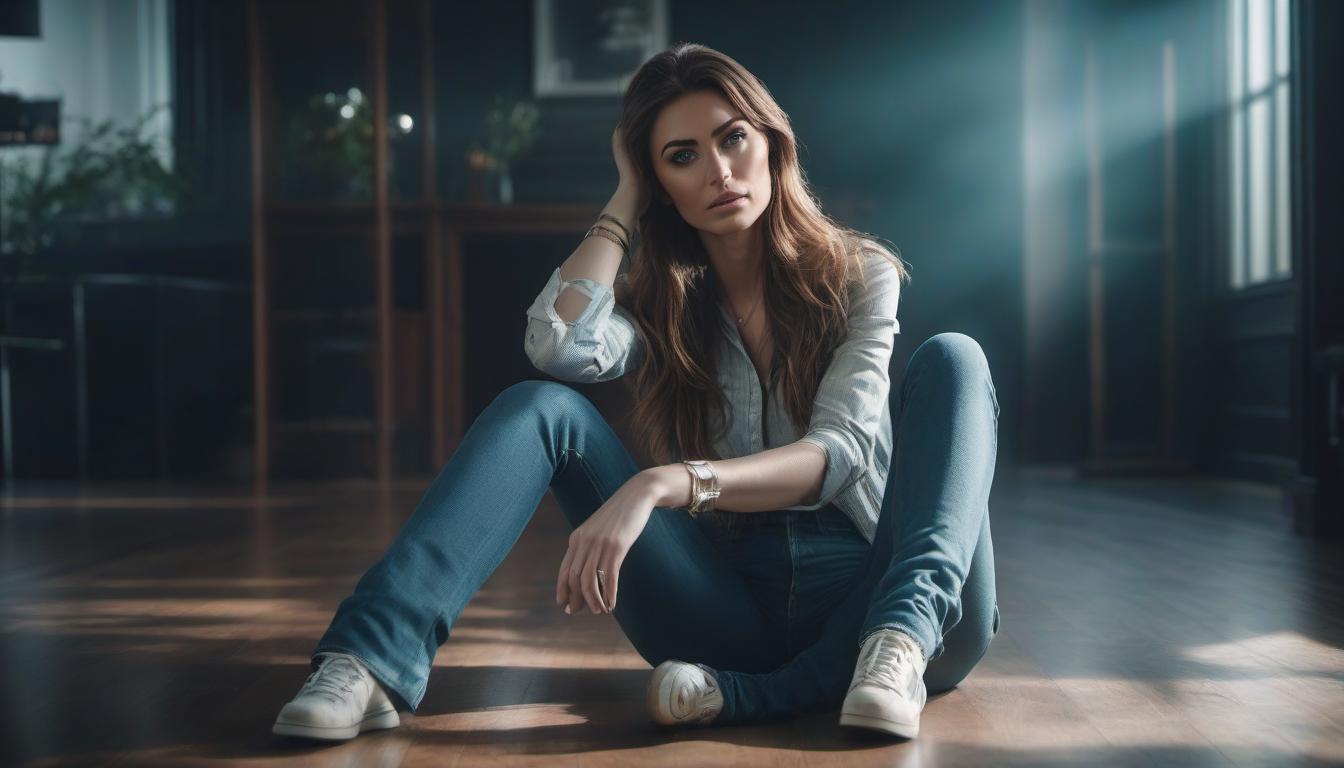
{"x":342,"y":99}
{"x":357,"y":262}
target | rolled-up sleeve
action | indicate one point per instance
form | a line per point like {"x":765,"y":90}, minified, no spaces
{"x":850,"y":401}
{"x":600,"y":345}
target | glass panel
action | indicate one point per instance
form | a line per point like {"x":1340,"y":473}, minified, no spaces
{"x":1235,"y":50}
{"x":412,"y":353}
{"x":1283,"y":223}
{"x":1237,"y":236}
{"x":405,"y":112}
{"x":320,"y":100}
{"x":1258,"y":178}
{"x":1258,"y":26}
{"x":1281,"y":37}
{"x":323,"y":324}
{"x":322,"y":270}
{"x":1236,"y":272}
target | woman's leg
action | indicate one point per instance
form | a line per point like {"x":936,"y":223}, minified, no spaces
{"x":930,"y":571}
{"x":678,"y":597}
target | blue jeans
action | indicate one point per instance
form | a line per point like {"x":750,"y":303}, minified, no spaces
{"x":777,"y":603}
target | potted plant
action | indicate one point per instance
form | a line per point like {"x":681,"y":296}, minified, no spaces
{"x":510,"y":131}
{"x":109,"y":172}
{"x":325,"y":148}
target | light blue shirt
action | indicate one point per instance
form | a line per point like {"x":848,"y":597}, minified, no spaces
{"x":851,"y":414}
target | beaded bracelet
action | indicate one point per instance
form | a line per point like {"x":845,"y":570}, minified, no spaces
{"x":625,"y":243}
{"x":610,"y":235}
{"x":618,"y":223}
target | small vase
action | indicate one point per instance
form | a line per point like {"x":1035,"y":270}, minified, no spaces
{"x":505,"y":184}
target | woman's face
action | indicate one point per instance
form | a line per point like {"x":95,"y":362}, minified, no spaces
{"x":702,"y":149}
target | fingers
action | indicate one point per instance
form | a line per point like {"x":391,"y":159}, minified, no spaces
{"x":575,"y":579}
{"x":588,"y":582}
{"x":577,"y":584}
{"x":613,"y":581}
{"x":562,"y":579}
{"x":603,"y":588}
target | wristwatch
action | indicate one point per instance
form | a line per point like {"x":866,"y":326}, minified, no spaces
{"x":704,"y":486}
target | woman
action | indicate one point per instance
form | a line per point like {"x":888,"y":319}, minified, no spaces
{"x":829,"y":571}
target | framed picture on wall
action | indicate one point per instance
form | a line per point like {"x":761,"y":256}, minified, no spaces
{"x":593,"y":47}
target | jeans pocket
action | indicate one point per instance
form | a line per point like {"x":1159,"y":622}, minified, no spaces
{"x":831,"y":521}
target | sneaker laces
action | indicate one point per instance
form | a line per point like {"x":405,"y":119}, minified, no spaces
{"x":335,"y":677}
{"x":885,"y":656}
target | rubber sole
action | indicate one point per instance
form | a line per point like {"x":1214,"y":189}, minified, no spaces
{"x":904,"y":730}
{"x":374,"y":722}
{"x":653,"y":693}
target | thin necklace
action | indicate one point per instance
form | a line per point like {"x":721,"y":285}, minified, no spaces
{"x":743,"y":320}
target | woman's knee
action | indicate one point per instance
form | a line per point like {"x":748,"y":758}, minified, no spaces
{"x":951,"y":352}
{"x":956,"y":360}
{"x":961,"y":654}
{"x":540,"y":395}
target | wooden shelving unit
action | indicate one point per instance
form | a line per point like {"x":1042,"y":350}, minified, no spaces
{"x":325,"y":322}
{"x":323,"y":265}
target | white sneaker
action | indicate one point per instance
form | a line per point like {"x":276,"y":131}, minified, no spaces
{"x":680,"y":693}
{"x":339,"y":701}
{"x":887,"y":692}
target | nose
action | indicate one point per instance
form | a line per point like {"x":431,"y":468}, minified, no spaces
{"x":721,"y":169}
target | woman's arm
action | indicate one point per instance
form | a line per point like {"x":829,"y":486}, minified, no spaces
{"x":847,"y":415}
{"x":575,"y":330}
{"x":774,"y":479}
{"x":595,"y":258}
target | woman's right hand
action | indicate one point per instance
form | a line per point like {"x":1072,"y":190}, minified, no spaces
{"x":629,"y":177}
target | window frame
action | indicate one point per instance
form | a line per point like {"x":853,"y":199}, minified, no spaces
{"x":1239,"y":101}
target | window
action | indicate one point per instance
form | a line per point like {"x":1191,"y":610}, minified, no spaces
{"x":1259,"y":82}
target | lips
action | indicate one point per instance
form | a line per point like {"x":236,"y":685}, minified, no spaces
{"x":728,"y":198}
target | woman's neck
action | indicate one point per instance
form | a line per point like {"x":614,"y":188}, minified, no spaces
{"x":736,"y":259}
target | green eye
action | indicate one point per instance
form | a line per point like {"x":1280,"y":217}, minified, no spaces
{"x":735,"y":134}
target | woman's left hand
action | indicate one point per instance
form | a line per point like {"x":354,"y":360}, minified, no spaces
{"x":602,"y":542}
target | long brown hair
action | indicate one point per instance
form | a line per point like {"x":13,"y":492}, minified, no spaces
{"x":670,"y":289}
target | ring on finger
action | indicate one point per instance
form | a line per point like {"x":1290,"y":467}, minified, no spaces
{"x":602,"y":588}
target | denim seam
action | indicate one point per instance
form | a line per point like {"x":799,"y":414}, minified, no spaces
{"x":588,"y":473}
{"x":592,"y":480}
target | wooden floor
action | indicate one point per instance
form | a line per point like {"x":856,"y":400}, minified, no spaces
{"x":1172,"y":622}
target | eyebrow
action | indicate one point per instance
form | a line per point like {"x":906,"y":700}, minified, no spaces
{"x":693,"y":142}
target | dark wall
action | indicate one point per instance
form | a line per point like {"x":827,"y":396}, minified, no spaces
{"x":1317,"y":493}
{"x":1232,"y":361}
{"x":149,"y":374}
{"x":909,"y":117}
{"x":1249,"y":333}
